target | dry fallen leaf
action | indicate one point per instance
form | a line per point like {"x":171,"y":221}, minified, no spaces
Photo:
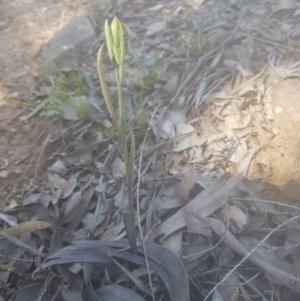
{"x":161,"y":260}
{"x":187,"y":183}
{"x":204,"y":204}
{"x":57,"y":181}
{"x":30,"y":226}
{"x":82,"y":155}
{"x":156,"y":27}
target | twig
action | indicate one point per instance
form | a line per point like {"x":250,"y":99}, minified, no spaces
{"x":21,"y":245}
{"x":289,"y":280}
{"x":251,"y":279}
{"x":253,"y":288}
{"x":267,"y":201}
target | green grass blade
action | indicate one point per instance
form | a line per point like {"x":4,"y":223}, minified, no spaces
{"x":130,"y":229}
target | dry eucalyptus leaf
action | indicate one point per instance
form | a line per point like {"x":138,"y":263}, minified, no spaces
{"x":68,"y":112}
{"x":11,"y":220}
{"x":168,"y":199}
{"x":217,"y":296}
{"x":155,"y":8}
{"x":161,"y":260}
{"x":171,"y":84}
{"x":189,"y":142}
{"x":58,"y":166}
{"x":73,"y":203}
{"x":57,"y":181}
{"x":167,"y":128}
{"x":284,"y":5}
{"x":156,"y":27}
{"x":30,"y":226}
{"x":204,"y":204}
{"x":114,"y":292}
{"x":194,"y":224}
{"x":254,"y":191}
{"x":244,"y":163}
{"x":82,"y":155}
{"x":69,"y":295}
{"x":118,"y":168}
{"x":72,"y":183}
{"x":175,"y":117}
{"x":173,"y":242}
{"x":226,"y":257}
{"x":184,"y":128}
{"x":296,"y":257}
{"x":229,"y":290}
{"x":195,"y":250}
{"x":187,"y":183}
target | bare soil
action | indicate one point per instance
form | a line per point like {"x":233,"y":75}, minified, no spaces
{"x":27,"y":27}
{"x":281,"y":164}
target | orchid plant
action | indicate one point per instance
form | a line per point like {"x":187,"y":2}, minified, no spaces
{"x":114,"y":35}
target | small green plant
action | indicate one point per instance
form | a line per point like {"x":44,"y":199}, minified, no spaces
{"x":199,"y":43}
{"x":149,"y":76}
{"x":154,"y":74}
{"x":67,"y":87}
{"x":193,"y":40}
{"x":53,"y":106}
{"x":80,"y":105}
{"x":115,"y":45}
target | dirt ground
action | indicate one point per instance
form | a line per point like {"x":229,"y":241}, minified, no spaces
{"x":28,"y":25}
{"x":281,"y":164}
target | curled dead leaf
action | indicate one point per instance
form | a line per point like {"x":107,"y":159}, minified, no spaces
{"x":240,"y":219}
{"x":30,"y":226}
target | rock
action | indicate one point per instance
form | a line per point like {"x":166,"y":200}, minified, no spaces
{"x":71,"y":44}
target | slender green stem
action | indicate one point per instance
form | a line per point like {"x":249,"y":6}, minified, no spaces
{"x":120,"y":95}
{"x":131,"y":169}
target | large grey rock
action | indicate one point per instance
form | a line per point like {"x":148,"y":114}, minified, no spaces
{"x":71,"y":44}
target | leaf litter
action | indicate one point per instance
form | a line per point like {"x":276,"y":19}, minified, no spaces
{"x":209,"y":229}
